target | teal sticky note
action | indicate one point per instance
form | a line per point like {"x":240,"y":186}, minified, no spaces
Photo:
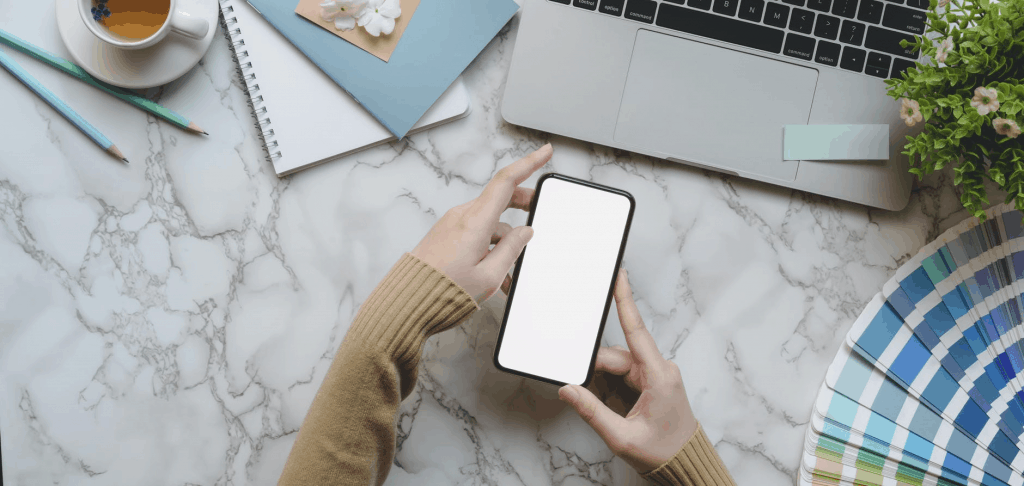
{"x":835,"y":142}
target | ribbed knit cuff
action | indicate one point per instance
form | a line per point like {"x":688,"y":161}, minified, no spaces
{"x":414,"y":301}
{"x":696,"y":464}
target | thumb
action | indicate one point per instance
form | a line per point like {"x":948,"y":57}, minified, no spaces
{"x":608,"y":424}
{"x":506,"y":252}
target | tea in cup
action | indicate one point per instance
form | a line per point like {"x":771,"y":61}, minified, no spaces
{"x":136,"y":24}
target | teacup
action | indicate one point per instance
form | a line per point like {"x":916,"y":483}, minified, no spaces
{"x":137,"y":24}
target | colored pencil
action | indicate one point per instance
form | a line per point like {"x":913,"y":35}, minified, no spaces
{"x":61,"y":107}
{"x":77,"y":72}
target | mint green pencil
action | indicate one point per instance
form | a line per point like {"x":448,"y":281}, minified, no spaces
{"x":77,"y":72}
{"x":90,"y":131}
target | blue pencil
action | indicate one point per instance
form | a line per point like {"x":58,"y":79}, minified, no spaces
{"x":61,"y":107}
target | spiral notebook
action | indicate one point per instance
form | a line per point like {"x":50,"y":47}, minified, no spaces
{"x":304,"y":118}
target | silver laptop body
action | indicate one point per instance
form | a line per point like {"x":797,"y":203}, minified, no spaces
{"x":712,"y":83}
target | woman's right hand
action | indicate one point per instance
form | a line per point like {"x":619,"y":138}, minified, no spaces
{"x":661,"y":422}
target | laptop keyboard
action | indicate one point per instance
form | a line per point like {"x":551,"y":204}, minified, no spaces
{"x":862,"y":36}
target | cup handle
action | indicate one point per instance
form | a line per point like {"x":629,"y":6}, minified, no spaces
{"x":185,"y":24}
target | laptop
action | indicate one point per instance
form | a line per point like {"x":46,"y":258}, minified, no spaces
{"x":712,"y":83}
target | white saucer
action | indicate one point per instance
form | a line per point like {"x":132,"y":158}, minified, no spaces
{"x":136,"y":69}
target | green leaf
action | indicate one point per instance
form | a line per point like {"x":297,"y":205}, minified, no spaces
{"x":988,"y":50}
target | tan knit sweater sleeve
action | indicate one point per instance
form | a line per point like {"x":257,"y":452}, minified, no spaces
{"x":696,"y":464}
{"x":348,"y":436}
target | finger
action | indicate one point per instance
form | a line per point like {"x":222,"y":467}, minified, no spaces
{"x":497,"y":263}
{"x":498,"y":193}
{"x":521,"y":198}
{"x":609,"y":425}
{"x":506,"y":284}
{"x":616,"y":361}
{"x":500,"y":231}
{"x":639,"y":339}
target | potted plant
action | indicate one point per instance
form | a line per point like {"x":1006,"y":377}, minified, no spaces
{"x":968,"y":91}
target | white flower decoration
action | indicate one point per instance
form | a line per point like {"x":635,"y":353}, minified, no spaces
{"x":985,"y":100}
{"x":379,"y":17}
{"x":910,"y":112}
{"x":1006,"y":127}
{"x":342,"y":12}
{"x":943,"y":49}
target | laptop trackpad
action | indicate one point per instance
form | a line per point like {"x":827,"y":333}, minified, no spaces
{"x":713,"y":106}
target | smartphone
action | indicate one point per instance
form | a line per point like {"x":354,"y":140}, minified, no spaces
{"x":562,"y":286}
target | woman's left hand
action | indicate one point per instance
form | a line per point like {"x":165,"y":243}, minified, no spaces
{"x":458,"y":244}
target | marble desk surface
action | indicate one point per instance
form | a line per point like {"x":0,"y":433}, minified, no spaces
{"x":169,"y":321}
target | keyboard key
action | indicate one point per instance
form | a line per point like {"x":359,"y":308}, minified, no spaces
{"x":894,"y":1}
{"x":701,"y":4}
{"x":905,"y":19}
{"x":798,"y":3}
{"x":776,"y":15}
{"x":853,"y":59}
{"x":799,"y":46}
{"x":826,"y":27}
{"x":827,"y":53}
{"x":801,"y":21}
{"x":642,"y":10}
{"x":751,"y":10}
{"x":921,"y":4}
{"x":851,"y":33}
{"x":566,"y":2}
{"x":870,"y":11}
{"x":876,"y":71}
{"x":878,"y":64}
{"x":724,"y":29}
{"x":726,"y":7}
{"x":877,"y":59}
{"x":844,"y":8}
{"x":899,"y":66}
{"x":611,"y":7}
{"x":587,"y":4}
{"x":819,"y":5}
{"x":889,"y":42}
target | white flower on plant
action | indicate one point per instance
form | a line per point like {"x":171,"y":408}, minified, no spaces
{"x":342,"y":12}
{"x":985,"y":100}
{"x":910,"y":111}
{"x":1006,"y":127}
{"x":943,"y":49}
{"x":379,"y":16}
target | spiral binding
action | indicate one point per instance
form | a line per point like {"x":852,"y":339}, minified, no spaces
{"x":253,"y":97}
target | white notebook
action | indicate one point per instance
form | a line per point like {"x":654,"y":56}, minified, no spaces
{"x":304,"y":117}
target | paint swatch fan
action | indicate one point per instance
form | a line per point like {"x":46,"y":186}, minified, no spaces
{"x":927,"y":387}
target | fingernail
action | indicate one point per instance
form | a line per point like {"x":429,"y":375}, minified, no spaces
{"x":569,"y":394}
{"x":528,"y":233}
{"x":547,"y":146}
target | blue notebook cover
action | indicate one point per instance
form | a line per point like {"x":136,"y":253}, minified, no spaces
{"x":442,"y":38}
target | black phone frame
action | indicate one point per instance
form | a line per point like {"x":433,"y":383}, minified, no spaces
{"x":611,"y":288}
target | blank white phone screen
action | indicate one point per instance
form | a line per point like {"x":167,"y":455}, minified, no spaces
{"x":567,"y":269}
